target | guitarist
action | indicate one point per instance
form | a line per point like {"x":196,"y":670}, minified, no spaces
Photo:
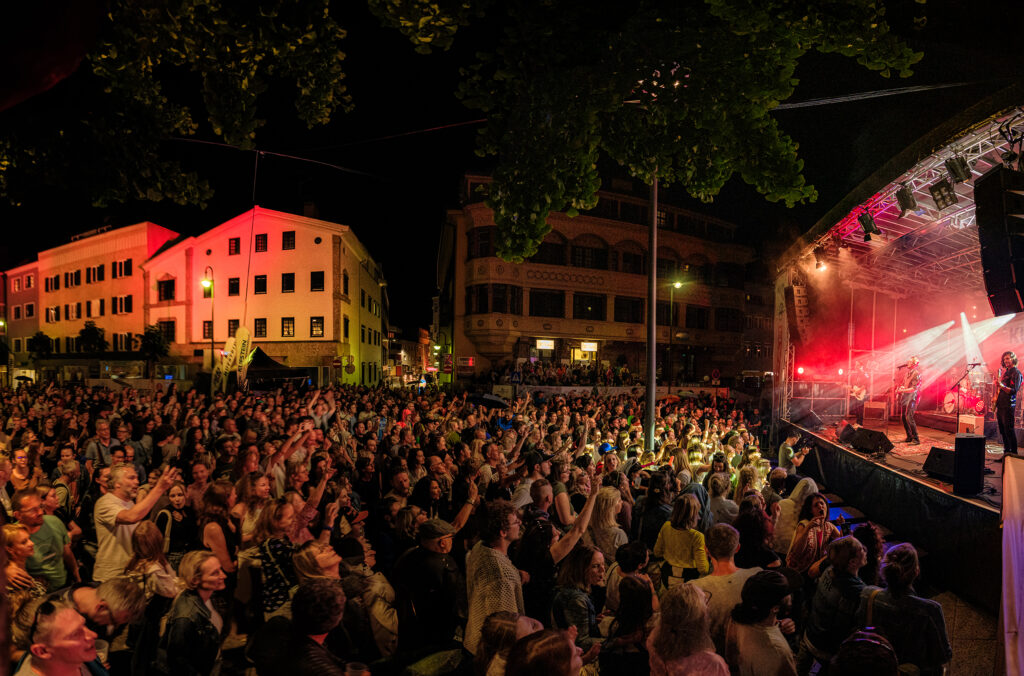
{"x":1007,"y":385}
{"x":908,"y":398}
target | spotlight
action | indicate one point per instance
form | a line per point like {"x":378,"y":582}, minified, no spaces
{"x":800,"y":370}
{"x":943,"y":194}
{"x":958,"y":169}
{"x":905,"y":198}
{"x":867,"y":222}
{"x":819,"y":258}
{"x":840,"y":371}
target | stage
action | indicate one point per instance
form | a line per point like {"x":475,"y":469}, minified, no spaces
{"x":959,"y":535}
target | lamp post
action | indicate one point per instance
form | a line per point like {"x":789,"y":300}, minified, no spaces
{"x":671,"y":332}
{"x":207,"y":283}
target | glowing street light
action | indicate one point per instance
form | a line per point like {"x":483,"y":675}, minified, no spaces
{"x":207,"y":283}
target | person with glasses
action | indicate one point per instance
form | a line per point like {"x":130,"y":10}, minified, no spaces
{"x":52,"y":560}
{"x":59,"y":642}
{"x":493,"y":582}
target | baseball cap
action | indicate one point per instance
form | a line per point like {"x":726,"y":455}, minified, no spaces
{"x":431,"y":529}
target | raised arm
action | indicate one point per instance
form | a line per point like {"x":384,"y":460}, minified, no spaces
{"x":565,"y":544}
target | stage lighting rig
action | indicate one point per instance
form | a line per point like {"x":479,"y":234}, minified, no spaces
{"x":819,"y":259}
{"x":943,"y":194}
{"x":867,"y":222}
{"x":958,"y":169}
{"x":905,"y":198}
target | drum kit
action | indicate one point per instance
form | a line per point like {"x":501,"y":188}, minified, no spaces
{"x":971,"y":399}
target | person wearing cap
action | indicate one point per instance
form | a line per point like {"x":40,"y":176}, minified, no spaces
{"x":537,"y":467}
{"x":426,"y":583}
{"x":754,"y":643}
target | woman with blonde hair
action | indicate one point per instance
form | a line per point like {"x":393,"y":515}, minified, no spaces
{"x":152,"y":572}
{"x":681,"y":545}
{"x":253,"y":491}
{"x":19,"y":548}
{"x":500,"y":632}
{"x":746,"y":481}
{"x":316,"y":560}
{"x":681,"y":640}
{"x":789,"y":515}
{"x":194,"y":630}
{"x":604,"y":532}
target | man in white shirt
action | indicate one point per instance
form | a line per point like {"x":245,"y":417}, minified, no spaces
{"x":725,"y":583}
{"x":117,"y":514}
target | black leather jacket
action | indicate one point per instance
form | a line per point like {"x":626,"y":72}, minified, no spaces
{"x":190,"y":643}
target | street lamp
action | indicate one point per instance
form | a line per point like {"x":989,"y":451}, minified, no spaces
{"x":671,"y":332}
{"x":207,"y":283}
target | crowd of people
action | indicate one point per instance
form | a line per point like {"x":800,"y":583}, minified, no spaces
{"x":351,"y":530}
{"x":540,"y":372}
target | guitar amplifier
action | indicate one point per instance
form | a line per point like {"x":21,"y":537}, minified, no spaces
{"x":971,"y":424}
{"x":874,"y":410}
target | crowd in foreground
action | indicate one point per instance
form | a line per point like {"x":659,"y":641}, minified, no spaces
{"x":387,"y":532}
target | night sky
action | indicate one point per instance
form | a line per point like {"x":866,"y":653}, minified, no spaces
{"x":396,"y":195}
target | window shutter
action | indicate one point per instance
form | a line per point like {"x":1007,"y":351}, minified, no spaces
{"x":99,"y":272}
{"x":128,"y":267}
{"x":113,"y":305}
{"x":88,"y":308}
{"x":102,"y":303}
{"x":78,"y":310}
{"x":128,"y":303}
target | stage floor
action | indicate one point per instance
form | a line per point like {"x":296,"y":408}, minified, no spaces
{"x":908,"y":459}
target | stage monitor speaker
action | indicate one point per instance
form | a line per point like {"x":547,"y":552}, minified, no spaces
{"x":964,"y":467}
{"x":846,"y":435}
{"x":801,"y":414}
{"x":870,"y":441}
{"x":999,"y":210}
{"x":969,"y":464}
{"x":939,"y":464}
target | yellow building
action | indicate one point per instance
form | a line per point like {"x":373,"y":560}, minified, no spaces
{"x":582,"y":296}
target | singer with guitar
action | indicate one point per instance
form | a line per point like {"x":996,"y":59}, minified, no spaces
{"x":1007,"y":384}
{"x":907,"y":392}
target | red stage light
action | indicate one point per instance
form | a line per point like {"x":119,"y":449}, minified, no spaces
{"x":840,"y":371}
{"x":800,"y":370}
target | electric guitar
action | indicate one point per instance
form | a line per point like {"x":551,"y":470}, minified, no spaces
{"x":995,"y":382}
{"x":858,"y":393}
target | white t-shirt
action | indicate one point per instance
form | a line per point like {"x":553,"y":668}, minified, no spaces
{"x":114,"y":539}
{"x":723,"y":594}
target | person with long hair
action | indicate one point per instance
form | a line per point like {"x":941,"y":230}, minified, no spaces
{"x":813,"y":535}
{"x":560,"y":478}
{"x":680,"y":643}
{"x":655,"y":509}
{"x":573,"y":604}
{"x":681,"y":545}
{"x":316,"y":560}
{"x":746,"y":481}
{"x":26,"y":472}
{"x":548,"y":652}
{"x":19,"y":547}
{"x":275,"y":552}
{"x":625,"y":649}
{"x":604,"y":531}
{"x":834,"y":604}
{"x":216,"y":530}
{"x":153,"y":573}
{"x":755,"y":529}
{"x":178,"y":524}
{"x":871,"y":537}
{"x":426,"y":495}
{"x":500,"y":632}
{"x":253,"y":491}
{"x":789,"y":515}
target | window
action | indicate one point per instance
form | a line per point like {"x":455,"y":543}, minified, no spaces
{"x":234,"y":246}
{"x":232,"y":327}
{"x":121,"y":342}
{"x":259,"y":325}
{"x":344,"y":282}
{"x":16,"y":284}
{"x":72,"y":279}
{"x":53,"y":314}
{"x":316,"y":280}
{"x":362,"y":333}
{"x":476,"y":299}
{"x":261,"y":242}
{"x":545,"y":303}
{"x":316,"y":327}
{"x":121,"y":268}
{"x":697,"y":317}
{"x":288,"y":327}
{"x":234,"y":286}
{"x":207,"y":330}
{"x":17,"y":312}
{"x":344,"y":325}
{"x":288,"y":239}
{"x":17,"y":344}
{"x":362,"y":298}
{"x":629,"y":310}
{"x":481,"y":242}
{"x":506,"y":298}
{"x":633,"y":213}
{"x":667,"y":268}
{"x":287,"y":282}
{"x":589,"y":257}
{"x":94,"y":273}
{"x":589,"y":306}
{"x":69,"y":344}
{"x":632,"y":263}
{"x":166,"y":327}
{"x":30,"y":281}
{"x":729,"y":319}
{"x":165,"y":289}
{"x":30,"y":310}
{"x":551,"y":253}
{"x":52,"y":283}
{"x":661,"y":313}
{"x":120,"y":305}
{"x":259,"y":284}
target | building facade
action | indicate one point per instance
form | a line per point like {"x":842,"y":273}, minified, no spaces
{"x":582,"y":297}
{"x":21,"y":318}
{"x":307,"y":290}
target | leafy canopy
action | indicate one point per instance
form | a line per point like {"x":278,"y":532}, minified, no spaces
{"x":680,"y":90}
{"x":158,"y":71}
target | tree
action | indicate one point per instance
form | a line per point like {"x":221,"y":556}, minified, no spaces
{"x":40,"y":346}
{"x":153,"y":345}
{"x":92,"y":339}
{"x":165,"y":70}
{"x":681,"y":91}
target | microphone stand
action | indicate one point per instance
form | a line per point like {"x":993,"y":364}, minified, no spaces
{"x":956,"y":388}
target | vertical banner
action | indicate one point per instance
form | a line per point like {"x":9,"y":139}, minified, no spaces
{"x":243,"y":343}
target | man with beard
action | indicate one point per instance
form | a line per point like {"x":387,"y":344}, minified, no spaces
{"x":117,"y":514}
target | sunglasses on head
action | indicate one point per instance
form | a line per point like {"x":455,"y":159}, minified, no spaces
{"x":44,"y":608}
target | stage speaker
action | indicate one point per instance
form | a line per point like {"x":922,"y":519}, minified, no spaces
{"x":846,"y":435}
{"x":999,"y":210}
{"x":801,"y":414}
{"x":969,"y":464}
{"x":870,"y":441}
{"x":939,"y":463}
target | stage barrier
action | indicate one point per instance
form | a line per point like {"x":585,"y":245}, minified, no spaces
{"x":1013,"y":563}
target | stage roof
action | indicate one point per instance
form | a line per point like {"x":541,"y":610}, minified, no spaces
{"x":928,"y":250}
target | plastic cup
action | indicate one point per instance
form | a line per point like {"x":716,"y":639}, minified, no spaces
{"x":356,"y":669}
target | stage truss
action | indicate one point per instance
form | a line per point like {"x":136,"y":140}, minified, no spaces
{"x":929,"y":250}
